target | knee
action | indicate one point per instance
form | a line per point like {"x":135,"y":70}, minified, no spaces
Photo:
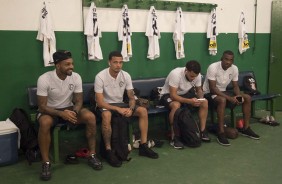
{"x":247,"y":98}
{"x":141,"y":112}
{"x":174,"y":105}
{"x":106,"y":118}
{"x":204,"y":104}
{"x":221,"y":101}
{"x":88,"y":116}
{"x":45,"y":122}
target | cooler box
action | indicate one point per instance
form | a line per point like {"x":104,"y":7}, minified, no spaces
{"x":9,"y":143}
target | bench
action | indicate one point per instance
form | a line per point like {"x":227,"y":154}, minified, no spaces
{"x":260,"y":97}
{"x":144,"y":85}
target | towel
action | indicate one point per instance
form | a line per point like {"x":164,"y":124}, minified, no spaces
{"x":93,"y":33}
{"x":124,"y":34}
{"x":212,"y":33}
{"x":153,"y":34}
{"x":178,"y":34}
{"x":47,"y":35}
{"x":7,"y":127}
{"x":242,"y":34}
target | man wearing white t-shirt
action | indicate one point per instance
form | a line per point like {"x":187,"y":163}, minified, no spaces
{"x":183,"y":86}
{"x":219,"y":75}
{"x":60,"y":98}
{"x":110,"y":85}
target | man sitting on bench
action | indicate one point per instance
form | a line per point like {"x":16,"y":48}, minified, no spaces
{"x":219,"y":75}
{"x":59,"y":94}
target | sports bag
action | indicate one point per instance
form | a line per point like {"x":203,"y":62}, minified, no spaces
{"x":119,"y":139}
{"x":28,"y":143}
{"x":186,"y":128}
{"x":250,"y":86}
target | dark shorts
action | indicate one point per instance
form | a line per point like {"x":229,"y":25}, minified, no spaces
{"x":123,"y":105}
{"x":228,"y":104}
{"x":56,"y":120}
{"x":165,"y":100}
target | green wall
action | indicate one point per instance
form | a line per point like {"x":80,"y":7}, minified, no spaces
{"x":21,"y":59}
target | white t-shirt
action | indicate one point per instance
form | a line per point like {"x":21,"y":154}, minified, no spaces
{"x":176,"y":78}
{"x":222,"y":77}
{"x":59,"y":92}
{"x":112,"y":89}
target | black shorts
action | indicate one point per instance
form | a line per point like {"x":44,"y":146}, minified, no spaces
{"x":56,"y":119}
{"x":165,"y":100}
{"x":228,"y":103}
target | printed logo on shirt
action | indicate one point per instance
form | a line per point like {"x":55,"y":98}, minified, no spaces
{"x":121,"y":83}
{"x":71,"y":87}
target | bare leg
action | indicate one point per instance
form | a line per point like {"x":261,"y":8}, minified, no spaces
{"x":142,"y":113}
{"x":203,"y":113}
{"x":106,"y":128}
{"x":246,"y":108}
{"x":173,"y":107}
{"x":221,"y":104}
{"x":44,"y":137}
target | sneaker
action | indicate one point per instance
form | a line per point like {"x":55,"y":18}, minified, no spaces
{"x":176,"y":143}
{"x":94,"y":162}
{"x":112,"y":159}
{"x":205,"y":136}
{"x":46,"y":173}
{"x":222,"y":140}
{"x":249,"y":133}
{"x":144,"y":150}
{"x":273,"y":122}
{"x":265,"y":120}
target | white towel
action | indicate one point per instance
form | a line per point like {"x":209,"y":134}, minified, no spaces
{"x":212,"y":33}
{"x":93,"y":33}
{"x":7,"y":127}
{"x":124,"y":34}
{"x":153,"y":34}
{"x":178,"y":34}
{"x":242,"y":34}
{"x":47,"y":35}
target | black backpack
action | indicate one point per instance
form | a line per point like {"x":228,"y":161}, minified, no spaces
{"x":28,"y":143}
{"x":250,"y":86}
{"x":119,"y":138}
{"x":186,"y":128}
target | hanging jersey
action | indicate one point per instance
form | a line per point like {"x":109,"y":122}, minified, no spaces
{"x":153,"y":34}
{"x":47,"y":35}
{"x":212,"y":33}
{"x":93,"y":33}
{"x":242,"y":35}
{"x":124,"y":34}
{"x":178,"y":34}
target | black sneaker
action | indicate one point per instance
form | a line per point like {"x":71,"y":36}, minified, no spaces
{"x":46,"y":171}
{"x":94,"y":162}
{"x":144,"y":150}
{"x":176,"y":143}
{"x":112,"y":159}
{"x":205,"y":136}
{"x":222,"y":140}
{"x":249,"y":133}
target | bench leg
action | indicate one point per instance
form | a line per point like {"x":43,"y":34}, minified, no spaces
{"x":130,"y":132}
{"x":233,"y":118}
{"x":253,"y":109}
{"x":272,"y":111}
{"x":56,"y":144}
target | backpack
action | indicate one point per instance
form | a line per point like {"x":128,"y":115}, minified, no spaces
{"x":250,"y":86}
{"x":28,"y":143}
{"x":186,"y":128}
{"x":119,"y":138}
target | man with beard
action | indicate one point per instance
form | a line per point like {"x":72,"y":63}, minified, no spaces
{"x":183,"y":88}
{"x":219,"y":75}
{"x":60,"y":98}
{"x":109,"y":86}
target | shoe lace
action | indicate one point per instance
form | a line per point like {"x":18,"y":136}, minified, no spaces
{"x":93,"y":159}
{"x":46,"y":167}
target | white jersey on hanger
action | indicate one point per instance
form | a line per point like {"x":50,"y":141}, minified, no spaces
{"x":242,"y":34}
{"x":153,"y":34}
{"x":93,"y":33}
{"x":47,"y":35}
{"x":124,"y":34}
{"x":212,"y":33}
{"x":178,"y":34}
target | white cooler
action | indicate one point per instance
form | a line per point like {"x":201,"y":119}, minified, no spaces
{"x":9,"y":142}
